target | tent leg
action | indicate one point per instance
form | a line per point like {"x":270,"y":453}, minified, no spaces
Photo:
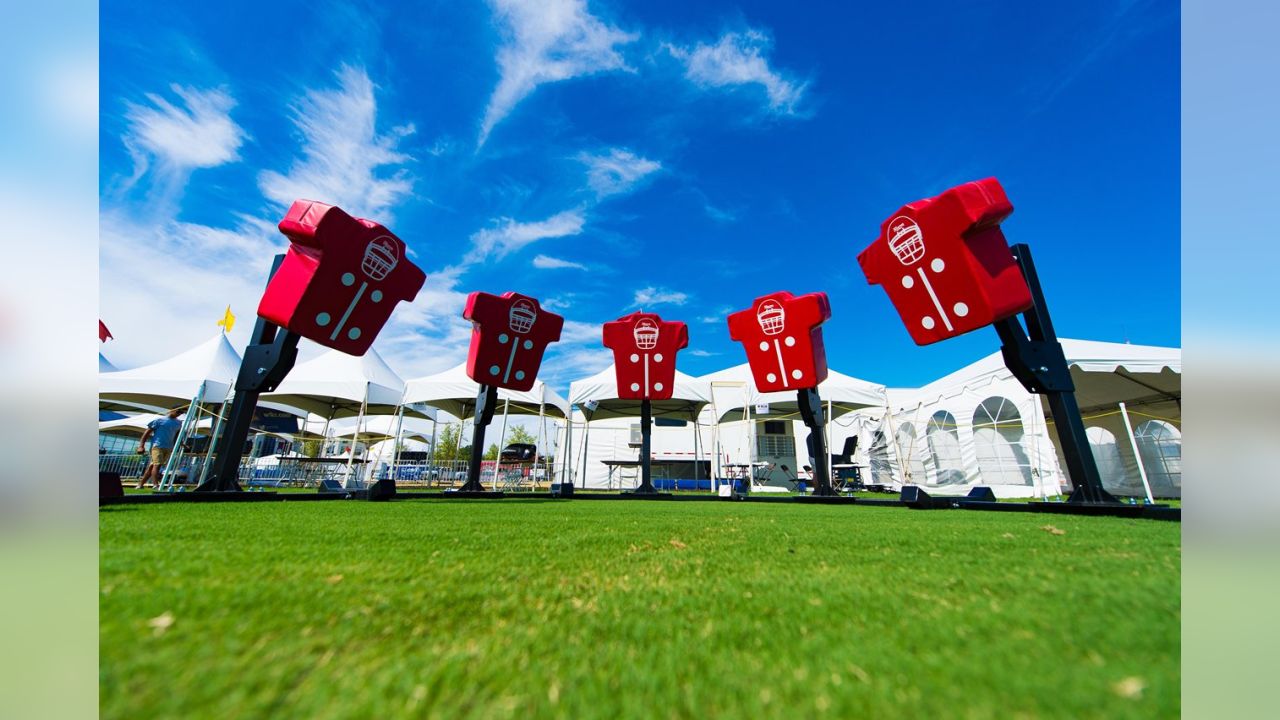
{"x":502,"y":438}
{"x":1133,"y":441}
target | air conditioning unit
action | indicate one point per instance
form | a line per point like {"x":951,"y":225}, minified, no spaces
{"x":636,"y":437}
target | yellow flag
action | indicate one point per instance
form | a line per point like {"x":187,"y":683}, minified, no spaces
{"x":228,"y":321}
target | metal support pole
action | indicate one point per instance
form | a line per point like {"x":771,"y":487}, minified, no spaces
{"x":486,"y":401}
{"x":1035,"y":357}
{"x":811,"y":412}
{"x":268,"y":359}
{"x":646,"y":459}
{"x":502,"y":439}
{"x":1133,"y":441}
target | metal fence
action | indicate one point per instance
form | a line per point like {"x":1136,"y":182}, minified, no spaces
{"x":311,"y":472}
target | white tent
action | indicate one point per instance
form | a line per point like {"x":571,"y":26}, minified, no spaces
{"x":337,"y":385}
{"x":597,"y":397}
{"x":104,"y":365}
{"x":136,"y":425}
{"x":385,"y":426}
{"x":597,"y":402}
{"x":202,"y":374}
{"x":978,"y":425}
{"x":734,"y":389}
{"x":454,"y":392}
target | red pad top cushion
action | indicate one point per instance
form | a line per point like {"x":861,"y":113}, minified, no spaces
{"x":509,"y":333}
{"x":340,"y":279}
{"x":644,"y":354}
{"x":945,"y":264}
{"x":782,"y":334}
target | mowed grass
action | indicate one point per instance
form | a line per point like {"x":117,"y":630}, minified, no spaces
{"x":589,"y":609}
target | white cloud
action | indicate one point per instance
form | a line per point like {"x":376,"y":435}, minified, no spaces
{"x":702,"y":353}
{"x":165,"y":284}
{"x":509,"y":236}
{"x":650,"y":296}
{"x":344,"y":157}
{"x":547,"y":41}
{"x":616,"y":171}
{"x":738,"y":59}
{"x":546,"y":262}
{"x":197,"y":133}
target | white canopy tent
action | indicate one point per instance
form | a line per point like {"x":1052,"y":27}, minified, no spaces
{"x":454,"y":392}
{"x":203,"y":374}
{"x":104,"y":365}
{"x":979,"y":426}
{"x":738,"y":402}
{"x":596,"y":398}
{"x":136,"y":425}
{"x":337,"y":385}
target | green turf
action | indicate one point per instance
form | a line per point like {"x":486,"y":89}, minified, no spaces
{"x":633,"y":609}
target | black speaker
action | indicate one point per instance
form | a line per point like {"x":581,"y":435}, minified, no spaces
{"x":384,"y":489}
{"x":109,"y":485}
{"x":562,"y":489}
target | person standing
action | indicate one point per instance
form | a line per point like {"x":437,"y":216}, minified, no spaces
{"x":163,"y":434}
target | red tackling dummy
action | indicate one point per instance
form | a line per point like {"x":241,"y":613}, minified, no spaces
{"x":340,"y":279}
{"x":782,"y":334}
{"x":644,"y":354}
{"x":945,"y":264}
{"x":508,"y":336}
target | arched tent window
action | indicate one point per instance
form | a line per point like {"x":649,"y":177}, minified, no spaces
{"x":878,"y":454}
{"x":944,"y":449}
{"x":910,"y":447}
{"x":1110,"y":465}
{"x":1161,"y":447}
{"x":997,"y":442}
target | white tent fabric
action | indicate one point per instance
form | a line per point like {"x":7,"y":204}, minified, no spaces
{"x":136,"y":425}
{"x":979,"y":426}
{"x":688,"y":396}
{"x":384,"y":426}
{"x":454,"y":392}
{"x":734,"y":387}
{"x":208,"y":370}
{"x":104,"y":365}
{"x":335,"y":385}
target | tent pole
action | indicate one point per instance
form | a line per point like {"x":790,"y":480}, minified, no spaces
{"x":566,"y":458}
{"x":502,"y":438}
{"x":1133,"y":441}
{"x":435,"y":425}
{"x":395,"y":449}
{"x":351,"y":457}
{"x":213,"y":439}
{"x":165,"y":483}
{"x":586,"y":443}
{"x":537,"y":442}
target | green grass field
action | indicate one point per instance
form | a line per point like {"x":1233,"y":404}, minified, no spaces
{"x":633,"y":609}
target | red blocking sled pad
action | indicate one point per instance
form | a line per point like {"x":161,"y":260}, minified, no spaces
{"x":782,"y":334}
{"x":509,"y":334}
{"x":945,"y":263}
{"x":644,"y":354}
{"x":340,"y":279}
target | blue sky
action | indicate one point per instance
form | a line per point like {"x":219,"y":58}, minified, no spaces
{"x":605,"y":156}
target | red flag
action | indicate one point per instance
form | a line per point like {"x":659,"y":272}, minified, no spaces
{"x":103,"y":333}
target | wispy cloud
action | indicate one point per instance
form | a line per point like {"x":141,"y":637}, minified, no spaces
{"x":738,"y":59}
{"x":509,"y":235}
{"x":616,"y":171}
{"x":546,"y":262}
{"x":345,"y":159}
{"x":547,"y":41}
{"x":174,"y":139}
{"x":702,"y":353}
{"x":650,"y":296}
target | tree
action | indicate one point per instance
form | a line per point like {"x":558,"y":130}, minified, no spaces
{"x":446,"y":449}
{"x":492,"y":452}
{"x":518,"y":434}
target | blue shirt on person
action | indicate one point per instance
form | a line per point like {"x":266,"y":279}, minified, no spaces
{"x":164,"y":432}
